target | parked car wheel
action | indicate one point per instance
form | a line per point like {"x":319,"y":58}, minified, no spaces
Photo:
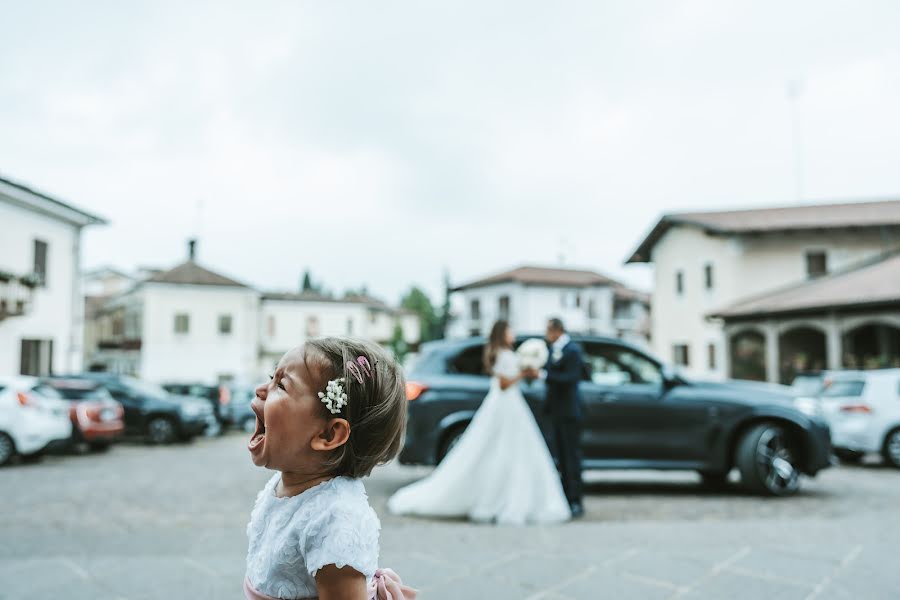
{"x":161,"y":430}
{"x":249,"y":425}
{"x":7,"y":448}
{"x":767,"y":461}
{"x":851,"y":457}
{"x":450,"y":440}
{"x":891,"y":451}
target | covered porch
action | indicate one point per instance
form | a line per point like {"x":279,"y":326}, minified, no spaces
{"x":848,"y":320}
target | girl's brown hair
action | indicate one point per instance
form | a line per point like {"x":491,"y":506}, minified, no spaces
{"x":375,"y":409}
{"x":496,"y":342}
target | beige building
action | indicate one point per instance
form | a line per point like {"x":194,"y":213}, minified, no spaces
{"x":706,"y":262}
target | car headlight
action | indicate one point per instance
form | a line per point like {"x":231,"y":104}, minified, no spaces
{"x":808,"y":406}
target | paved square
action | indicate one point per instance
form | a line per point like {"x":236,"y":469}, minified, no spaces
{"x":169,"y":522}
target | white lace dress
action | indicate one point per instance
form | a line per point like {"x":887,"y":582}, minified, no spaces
{"x":500,"y":470}
{"x":292,"y":538}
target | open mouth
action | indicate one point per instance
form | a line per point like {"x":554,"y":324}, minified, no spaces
{"x":259,"y":435}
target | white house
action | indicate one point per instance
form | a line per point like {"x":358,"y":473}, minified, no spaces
{"x":41,"y":304}
{"x":191,"y":324}
{"x":527,"y":296}
{"x":706,"y":262}
{"x":289,"y":319}
{"x":185,"y":324}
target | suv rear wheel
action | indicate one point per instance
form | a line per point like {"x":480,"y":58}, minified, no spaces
{"x":450,"y":440}
{"x":767,"y":459}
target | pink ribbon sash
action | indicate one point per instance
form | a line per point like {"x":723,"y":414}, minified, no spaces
{"x":386,"y":585}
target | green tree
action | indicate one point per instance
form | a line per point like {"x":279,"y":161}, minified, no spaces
{"x":307,"y":285}
{"x":398,"y":344}
{"x":429,"y":321}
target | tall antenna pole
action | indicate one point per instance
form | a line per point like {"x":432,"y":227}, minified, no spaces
{"x":794,"y":90}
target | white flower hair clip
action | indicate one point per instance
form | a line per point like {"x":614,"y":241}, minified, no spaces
{"x":334,"y":397}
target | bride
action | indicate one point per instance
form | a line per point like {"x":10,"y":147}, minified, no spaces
{"x":500,"y":470}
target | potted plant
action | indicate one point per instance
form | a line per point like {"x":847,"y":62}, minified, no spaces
{"x":31,"y":280}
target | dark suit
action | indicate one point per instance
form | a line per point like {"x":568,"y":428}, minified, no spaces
{"x":563,"y":407}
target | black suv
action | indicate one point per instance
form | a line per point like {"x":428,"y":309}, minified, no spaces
{"x":152,"y":412}
{"x":638,"y":415}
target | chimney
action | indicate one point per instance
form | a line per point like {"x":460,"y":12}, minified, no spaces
{"x":192,"y":249}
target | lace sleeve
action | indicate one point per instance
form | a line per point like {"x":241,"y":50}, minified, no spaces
{"x":507,"y":364}
{"x":345,"y":535}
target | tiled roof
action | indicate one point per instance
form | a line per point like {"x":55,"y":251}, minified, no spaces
{"x":529,"y":275}
{"x":873,"y":283}
{"x":848,"y":215}
{"x":190,"y":273}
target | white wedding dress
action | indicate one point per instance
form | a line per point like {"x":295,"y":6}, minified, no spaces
{"x":500,"y":470}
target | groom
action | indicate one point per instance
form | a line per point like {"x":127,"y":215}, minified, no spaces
{"x":564,"y":370}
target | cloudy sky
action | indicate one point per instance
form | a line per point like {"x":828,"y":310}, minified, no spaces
{"x":381,"y":142}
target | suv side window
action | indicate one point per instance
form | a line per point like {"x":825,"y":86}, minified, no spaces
{"x":615,"y":365}
{"x":468,"y":362}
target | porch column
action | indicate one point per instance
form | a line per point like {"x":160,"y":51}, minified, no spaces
{"x":772,"y":358}
{"x":833,"y":344}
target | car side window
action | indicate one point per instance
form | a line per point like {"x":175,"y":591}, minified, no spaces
{"x":468,"y":362}
{"x":611,"y":365}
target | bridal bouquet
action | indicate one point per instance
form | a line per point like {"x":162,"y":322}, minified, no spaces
{"x":532,"y":354}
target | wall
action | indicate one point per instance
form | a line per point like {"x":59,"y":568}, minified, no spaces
{"x":203,"y":354}
{"x":52,"y":313}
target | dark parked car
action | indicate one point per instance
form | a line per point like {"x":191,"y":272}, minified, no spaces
{"x":638,"y":415}
{"x":218,"y":397}
{"x":237,"y":413}
{"x":152,"y":412}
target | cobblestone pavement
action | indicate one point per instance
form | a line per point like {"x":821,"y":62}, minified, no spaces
{"x":146,"y":522}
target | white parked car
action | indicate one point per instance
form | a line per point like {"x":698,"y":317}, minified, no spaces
{"x":863,"y":410}
{"x":31,"y":417}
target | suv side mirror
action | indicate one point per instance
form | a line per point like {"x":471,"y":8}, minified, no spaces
{"x":670,"y":377}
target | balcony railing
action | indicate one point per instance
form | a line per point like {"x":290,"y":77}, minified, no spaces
{"x":16,"y":292}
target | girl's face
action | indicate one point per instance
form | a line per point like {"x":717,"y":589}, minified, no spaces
{"x":509,"y":336}
{"x":289,"y":415}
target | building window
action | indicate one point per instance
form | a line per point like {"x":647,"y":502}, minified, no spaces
{"x":271,"y":326}
{"x":475,"y":310}
{"x":708,"y":276}
{"x":711,"y":352}
{"x":816,"y":264}
{"x":312,"y":326}
{"x":592,"y":309}
{"x":681,"y":355}
{"x":36,"y":358}
{"x":679,"y":282}
{"x":350,"y":326}
{"x":225,"y":324}
{"x":564,"y":299}
{"x":40,"y":261}
{"x":118,"y":326}
{"x":577,"y":300}
{"x":182,"y":323}
{"x":504,"y":307}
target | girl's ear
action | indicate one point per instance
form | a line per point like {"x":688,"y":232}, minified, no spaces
{"x":334,"y":435}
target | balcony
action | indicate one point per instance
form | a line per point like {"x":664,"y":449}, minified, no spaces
{"x":16,"y":292}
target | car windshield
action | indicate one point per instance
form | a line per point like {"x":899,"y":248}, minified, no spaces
{"x":843,"y":389}
{"x":82,"y":393}
{"x":145,"y":388}
{"x":806,"y":385}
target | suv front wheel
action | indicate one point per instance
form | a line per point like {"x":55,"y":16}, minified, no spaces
{"x":767,"y":459}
